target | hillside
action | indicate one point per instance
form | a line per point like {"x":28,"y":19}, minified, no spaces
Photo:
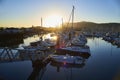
{"x":90,"y":26}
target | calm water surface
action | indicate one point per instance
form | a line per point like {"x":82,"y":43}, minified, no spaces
{"x":103,"y":64}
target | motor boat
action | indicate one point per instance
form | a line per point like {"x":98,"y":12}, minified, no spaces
{"x":67,"y":61}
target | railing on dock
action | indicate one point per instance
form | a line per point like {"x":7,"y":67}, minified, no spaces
{"x":12,"y":55}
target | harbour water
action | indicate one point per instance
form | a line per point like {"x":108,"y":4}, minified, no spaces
{"x":103,"y":64}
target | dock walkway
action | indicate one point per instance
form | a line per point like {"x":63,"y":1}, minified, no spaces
{"x":13,"y":55}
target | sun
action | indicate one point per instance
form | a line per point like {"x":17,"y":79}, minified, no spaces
{"x":53,"y":21}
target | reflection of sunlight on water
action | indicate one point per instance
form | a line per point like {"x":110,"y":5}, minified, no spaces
{"x":28,"y":40}
{"x":50,"y":36}
{"x":100,"y":56}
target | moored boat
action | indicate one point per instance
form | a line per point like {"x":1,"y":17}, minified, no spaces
{"x":74,"y":50}
{"x":74,"y":44}
{"x":67,"y":61}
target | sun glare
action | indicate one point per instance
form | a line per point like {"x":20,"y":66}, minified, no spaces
{"x":52,"y":21}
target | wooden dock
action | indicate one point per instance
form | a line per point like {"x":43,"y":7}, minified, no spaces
{"x":13,"y":55}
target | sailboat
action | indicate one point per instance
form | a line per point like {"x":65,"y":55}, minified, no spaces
{"x":75,"y":45}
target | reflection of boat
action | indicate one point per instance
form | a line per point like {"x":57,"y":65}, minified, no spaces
{"x":39,"y":69}
{"x":68,"y":61}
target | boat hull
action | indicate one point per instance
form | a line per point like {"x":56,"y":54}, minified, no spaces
{"x":67,"y":61}
{"x":61,"y":51}
{"x":68,"y":65}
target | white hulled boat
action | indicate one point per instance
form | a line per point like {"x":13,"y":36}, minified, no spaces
{"x":74,"y":45}
{"x":67,"y":61}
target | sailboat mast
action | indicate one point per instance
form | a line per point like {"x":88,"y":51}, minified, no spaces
{"x":73,"y":17}
{"x":41,"y":22}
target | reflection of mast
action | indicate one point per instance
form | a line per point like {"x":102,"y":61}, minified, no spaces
{"x":71,"y":74}
{"x":58,"y":69}
{"x":38,"y":70}
{"x":111,"y":50}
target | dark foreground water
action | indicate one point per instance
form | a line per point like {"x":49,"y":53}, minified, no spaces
{"x":103,"y":64}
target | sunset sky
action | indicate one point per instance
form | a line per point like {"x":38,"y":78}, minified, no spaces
{"x":25,"y":13}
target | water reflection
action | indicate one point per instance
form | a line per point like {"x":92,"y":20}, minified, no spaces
{"x":102,"y":64}
{"x":35,"y":38}
{"x":38,"y":66}
{"x":21,"y":41}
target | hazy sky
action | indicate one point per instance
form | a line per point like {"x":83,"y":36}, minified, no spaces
{"x":29,"y":12}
